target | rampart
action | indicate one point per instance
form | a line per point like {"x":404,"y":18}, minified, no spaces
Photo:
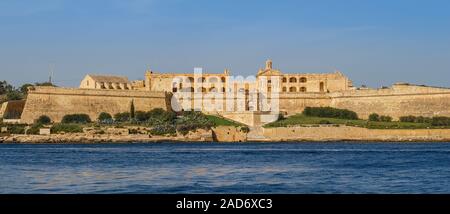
{"x":399,"y":100}
{"x":57,"y":102}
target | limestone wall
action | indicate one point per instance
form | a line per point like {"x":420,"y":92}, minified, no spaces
{"x":57,"y":102}
{"x":12,"y":109}
{"x":400,"y":100}
{"x":331,"y":133}
{"x":229,"y":134}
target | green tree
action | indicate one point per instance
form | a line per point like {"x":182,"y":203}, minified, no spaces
{"x":24,"y":88}
{"x":44,"y":84}
{"x":5,"y":87}
{"x":104,"y":117}
{"x":76,"y":118}
{"x":43,"y":119}
{"x":385,"y":118}
{"x":14,"y":95}
{"x":374,"y":117}
{"x":132,"y":113}
{"x":141,"y":116}
{"x":122,"y":117}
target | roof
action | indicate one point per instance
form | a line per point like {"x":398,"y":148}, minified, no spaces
{"x":107,"y":78}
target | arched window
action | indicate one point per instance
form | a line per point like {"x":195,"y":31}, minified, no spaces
{"x":213,"y":80}
{"x":303,"y":79}
{"x":293,"y":79}
{"x":303,"y":89}
{"x":213,"y":89}
{"x":203,"y":89}
{"x":191,"y":89}
{"x":284,"y":89}
{"x":292,"y":89}
{"x":284,"y":79}
{"x":322,"y":87}
{"x":223,"y":79}
{"x":201,"y":79}
{"x":223,"y":89}
{"x":190,"y":80}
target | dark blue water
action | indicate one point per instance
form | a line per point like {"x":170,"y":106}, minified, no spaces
{"x":226,"y":168}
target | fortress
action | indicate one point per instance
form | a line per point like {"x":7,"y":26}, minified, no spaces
{"x":253,"y":101}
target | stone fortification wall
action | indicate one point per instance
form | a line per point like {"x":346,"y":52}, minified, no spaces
{"x":57,"y":102}
{"x":400,"y":100}
{"x":331,"y":133}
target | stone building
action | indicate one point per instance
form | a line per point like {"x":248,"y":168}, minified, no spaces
{"x":105,"y":82}
{"x":254,"y":101}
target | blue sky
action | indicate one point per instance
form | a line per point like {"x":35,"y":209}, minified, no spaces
{"x":376,"y":42}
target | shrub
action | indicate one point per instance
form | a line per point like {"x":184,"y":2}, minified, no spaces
{"x":384,"y":118}
{"x":16,"y":129}
{"x":245,"y":129}
{"x":122,"y":117}
{"x":160,"y":116}
{"x":141,"y":116}
{"x":66,"y":128}
{"x":440,"y":121}
{"x":323,"y":122}
{"x":163,"y":129}
{"x":330,"y":113}
{"x":374,"y":117}
{"x":408,"y":119}
{"x":421,"y":119}
{"x":104,"y":117}
{"x":76,"y":118}
{"x":44,"y":119}
{"x":35,"y":129}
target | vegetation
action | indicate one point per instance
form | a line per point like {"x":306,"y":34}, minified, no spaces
{"x":220,"y":121}
{"x":9,"y":92}
{"x":414,"y":119}
{"x":330,"y":112}
{"x":66,"y":128}
{"x":377,"y":118}
{"x":16,"y":129}
{"x":104,"y":118}
{"x":35,"y":129}
{"x":303,"y":120}
{"x":43,"y":119}
{"x":122,"y":117}
{"x":76,"y":118}
{"x":374,"y":117}
{"x":132,"y":111}
{"x":440,"y":121}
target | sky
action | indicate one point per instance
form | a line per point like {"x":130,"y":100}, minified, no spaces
{"x":374,"y":42}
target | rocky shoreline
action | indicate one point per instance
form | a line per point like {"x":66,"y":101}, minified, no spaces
{"x":104,"y":138}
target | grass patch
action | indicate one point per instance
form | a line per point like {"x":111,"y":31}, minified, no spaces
{"x":66,"y":128}
{"x":302,"y":120}
{"x":220,"y":121}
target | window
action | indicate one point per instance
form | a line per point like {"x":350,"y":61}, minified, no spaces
{"x":223,"y":79}
{"x":269,"y":89}
{"x":292,"y":89}
{"x":201,"y":79}
{"x":213,"y":80}
{"x":322,"y":87}
{"x":303,"y":79}
{"x":87,"y":82}
{"x":190,"y":79}
{"x":284,"y":79}
{"x":292,"y":79}
{"x":174,"y":89}
{"x":284,"y":89}
{"x":302,"y":89}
